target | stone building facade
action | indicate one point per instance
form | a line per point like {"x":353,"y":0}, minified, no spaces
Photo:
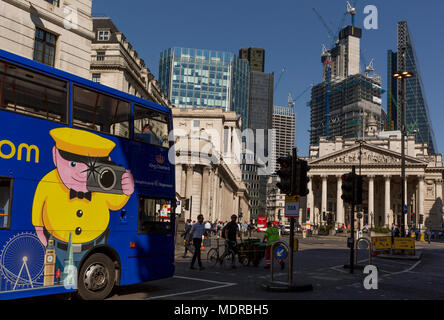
{"x":54,"y":32}
{"x":116,"y":64}
{"x":378,"y":158}
{"x":207,"y":167}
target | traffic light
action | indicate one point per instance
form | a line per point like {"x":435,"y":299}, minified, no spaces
{"x":347,"y":187}
{"x":285,"y":174}
{"x":300,"y":178}
{"x":358,"y":189}
{"x":352,"y":188}
{"x":187,"y":204}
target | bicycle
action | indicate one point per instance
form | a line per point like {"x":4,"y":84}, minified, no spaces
{"x":226,"y":259}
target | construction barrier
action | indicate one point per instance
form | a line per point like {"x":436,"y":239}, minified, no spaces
{"x":384,"y":244}
{"x":381,"y":244}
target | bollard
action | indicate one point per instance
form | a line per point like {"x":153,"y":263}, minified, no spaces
{"x":369,"y":246}
{"x":282,"y":286}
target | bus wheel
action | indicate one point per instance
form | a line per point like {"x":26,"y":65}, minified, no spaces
{"x":96,"y":277}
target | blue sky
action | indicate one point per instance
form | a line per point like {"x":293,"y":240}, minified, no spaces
{"x":292,"y":36}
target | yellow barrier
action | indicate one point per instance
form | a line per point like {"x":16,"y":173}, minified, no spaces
{"x":381,"y":243}
{"x":422,"y":237}
{"x":296,"y":245}
{"x":385,"y":243}
{"x":404,"y":244}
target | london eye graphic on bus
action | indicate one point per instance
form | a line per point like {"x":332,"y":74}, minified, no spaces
{"x":22,"y":262}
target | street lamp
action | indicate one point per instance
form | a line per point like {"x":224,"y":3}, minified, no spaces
{"x":402,"y":75}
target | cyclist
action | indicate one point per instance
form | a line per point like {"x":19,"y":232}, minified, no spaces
{"x":230,"y":233}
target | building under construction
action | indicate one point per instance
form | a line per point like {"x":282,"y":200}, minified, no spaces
{"x":346,"y":99}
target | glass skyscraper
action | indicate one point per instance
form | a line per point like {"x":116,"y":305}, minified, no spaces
{"x":197,"y":78}
{"x":416,"y":112}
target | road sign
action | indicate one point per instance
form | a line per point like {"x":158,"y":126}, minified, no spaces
{"x":404,"y":211}
{"x":404,"y":243}
{"x":281,"y":252}
{"x":292,"y":206}
{"x":380,"y":243}
{"x":295,"y":198}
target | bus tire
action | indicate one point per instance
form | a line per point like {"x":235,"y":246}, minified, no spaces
{"x":96,"y":277}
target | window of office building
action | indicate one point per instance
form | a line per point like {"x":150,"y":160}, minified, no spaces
{"x":103,"y":35}
{"x":54,"y":2}
{"x":96,"y":77}
{"x":100,"y":56}
{"x":44,"y":47}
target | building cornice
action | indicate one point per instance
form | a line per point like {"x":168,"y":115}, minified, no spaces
{"x":54,"y":18}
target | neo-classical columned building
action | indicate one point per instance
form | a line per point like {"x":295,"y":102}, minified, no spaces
{"x":207,"y":159}
{"x":379,"y":160}
{"x":54,"y":32}
{"x":115,"y":63}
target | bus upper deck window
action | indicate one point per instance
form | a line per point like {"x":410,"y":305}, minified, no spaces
{"x":31,"y":93}
{"x":150,"y":126}
{"x":99,"y":112}
{"x":5,"y":202}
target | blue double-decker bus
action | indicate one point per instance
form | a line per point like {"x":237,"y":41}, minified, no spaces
{"x":87,"y":192}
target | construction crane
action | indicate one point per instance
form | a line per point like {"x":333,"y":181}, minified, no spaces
{"x":293,"y":101}
{"x":280,"y":77}
{"x":331,"y":35}
{"x":351,"y":10}
{"x":370,"y":67}
{"x":334,"y":37}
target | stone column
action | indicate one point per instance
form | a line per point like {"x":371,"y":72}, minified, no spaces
{"x":205,"y":189}
{"x":438,"y":201}
{"x":310,"y":199}
{"x":371,"y":199}
{"x":324,"y":197}
{"x":387,"y":214}
{"x":229,"y":141}
{"x":421,"y":198}
{"x":189,"y":188}
{"x":405,"y":216}
{"x":340,"y":218}
{"x":183,"y":181}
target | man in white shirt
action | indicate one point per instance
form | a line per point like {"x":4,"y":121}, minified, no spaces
{"x":196,"y":233}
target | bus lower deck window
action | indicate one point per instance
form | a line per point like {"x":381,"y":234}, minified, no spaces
{"x":154,"y":216}
{"x":5,"y":202}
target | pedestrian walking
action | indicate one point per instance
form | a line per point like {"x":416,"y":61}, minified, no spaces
{"x":207,"y":227}
{"x":185,"y":236}
{"x":196,"y":233}
{"x":429,"y":236}
{"x":271,"y":235}
{"x":250,"y":228}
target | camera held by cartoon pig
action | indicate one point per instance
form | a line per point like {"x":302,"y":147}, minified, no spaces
{"x":106,"y":178}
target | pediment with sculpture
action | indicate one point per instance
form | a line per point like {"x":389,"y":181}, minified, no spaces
{"x":370,"y":156}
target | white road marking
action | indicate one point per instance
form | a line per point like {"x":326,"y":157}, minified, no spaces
{"x":406,"y":270}
{"x":222,"y":285}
